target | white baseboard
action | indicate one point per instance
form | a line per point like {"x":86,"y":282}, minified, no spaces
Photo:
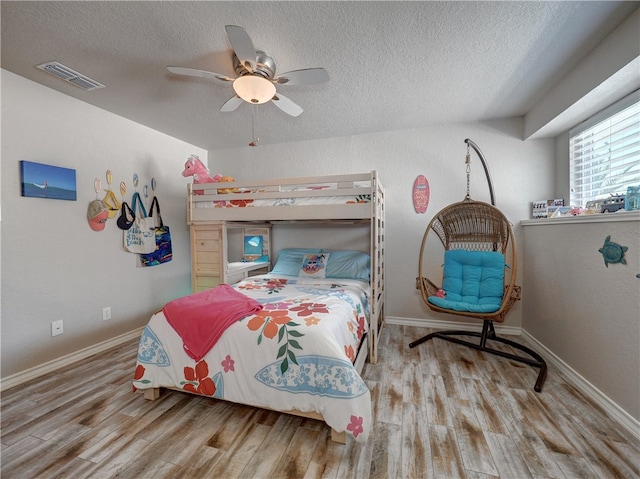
{"x":50,"y":366}
{"x":628,"y":422}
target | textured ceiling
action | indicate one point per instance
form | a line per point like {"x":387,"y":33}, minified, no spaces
{"x":392,"y":65}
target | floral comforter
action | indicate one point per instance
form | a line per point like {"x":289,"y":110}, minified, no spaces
{"x":297,"y":353}
{"x":296,"y":201}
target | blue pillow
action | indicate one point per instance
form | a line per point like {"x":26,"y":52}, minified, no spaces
{"x":290,"y":260}
{"x":348,"y":265}
{"x":473,"y":281}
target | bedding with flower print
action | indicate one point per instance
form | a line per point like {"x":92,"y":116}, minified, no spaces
{"x":285,"y":200}
{"x":296,"y":353}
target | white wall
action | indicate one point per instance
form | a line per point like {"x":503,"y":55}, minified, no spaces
{"x":522,"y":171}
{"x":581,"y":311}
{"x":586,"y":313}
{"x":53,"y":265}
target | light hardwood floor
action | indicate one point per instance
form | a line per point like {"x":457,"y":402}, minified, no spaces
{"x":441,"y":411}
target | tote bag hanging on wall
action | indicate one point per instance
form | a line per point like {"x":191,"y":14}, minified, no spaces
{"x":140,"y":238}
{"x":163,"y":252}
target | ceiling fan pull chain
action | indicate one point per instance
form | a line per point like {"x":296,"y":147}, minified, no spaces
{"x":254,"y":141}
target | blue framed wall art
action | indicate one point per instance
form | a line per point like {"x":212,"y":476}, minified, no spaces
{"x":47,"y":181}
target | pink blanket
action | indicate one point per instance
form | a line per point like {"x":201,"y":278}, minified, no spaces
{"x":201,"y":318}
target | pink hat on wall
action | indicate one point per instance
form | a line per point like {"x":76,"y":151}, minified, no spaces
{"x":97,"y":215}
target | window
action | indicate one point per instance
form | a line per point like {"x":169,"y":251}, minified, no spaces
{"x":604,"y":152}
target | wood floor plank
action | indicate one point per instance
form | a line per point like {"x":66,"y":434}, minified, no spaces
{"x":394,"y":349}
{"x":599,"y":451}
{"x":326,"y":458}
{"x":105,"y":406}
{"x":471,"y":363}
{"x":447,"y":462}
{"x":506,"y":456}
{"x":49,"y":456}
{"x":193,"y":431}
{"x":534,"y":451}
{"x":412,"y":384}
{"x":474,"y":450}
{"x":545,"y":426}
{"x":517,"y":375}
{"x":391,"y":399}
{"x":52,"y":419}
{"x":479,"y":475}
{"x":15,"y":456}
{"x":488,"y":408}
{"x":201,"y":465}
{"x":453,"y":382}
{"x":156,"y":469}
{"x":295,"y":461}
{"x":232,"y":462}
{"x":416,"y":451}
{"x":387,"y":452}
{"x":169,"y":420}
{"x":373,"y":372}
{"x":119,"y":456}
{"x":16,"y":411}
{"x":629,"y":450}
{"x":274,"y":445}
{"x":575,"y":467}
{"x":230,"y":425}
{"x":375,"y":390}
{"x":428,"y":360}
{"x":436,"y":402}
{"x":75,"y":468}
{"x":599,"y":423}
{"x":443,"y":350}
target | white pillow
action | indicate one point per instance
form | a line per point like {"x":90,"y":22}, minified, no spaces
{"x":314,"y":265}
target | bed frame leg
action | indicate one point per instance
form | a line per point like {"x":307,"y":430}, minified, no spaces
{"x":152,"y":394}
{"x":340,"y":437}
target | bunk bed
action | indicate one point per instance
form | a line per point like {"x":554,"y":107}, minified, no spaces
{"x":348,"y":298}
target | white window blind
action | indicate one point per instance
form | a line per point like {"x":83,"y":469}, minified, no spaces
{"x":604,"y":155}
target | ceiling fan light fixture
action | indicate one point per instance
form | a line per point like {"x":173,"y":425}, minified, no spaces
{"x":254,"y":89}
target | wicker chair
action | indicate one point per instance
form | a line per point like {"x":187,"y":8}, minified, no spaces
{"x":476,"y":226}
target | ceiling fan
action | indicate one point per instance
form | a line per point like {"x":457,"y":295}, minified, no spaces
{"x":256,"y":79}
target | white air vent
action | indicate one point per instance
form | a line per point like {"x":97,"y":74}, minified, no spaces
{"x":67,"y":74}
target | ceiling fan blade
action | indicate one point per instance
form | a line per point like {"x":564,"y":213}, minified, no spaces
{"x":192,"y":72}
{"x":242,"y":46}
{"x":231,"y":104}
{"x":308,"y":76}
{"x":286,"y":105}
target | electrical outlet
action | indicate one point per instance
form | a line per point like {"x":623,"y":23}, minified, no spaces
{"x":57,"y":328}
{"x":106,"y":313}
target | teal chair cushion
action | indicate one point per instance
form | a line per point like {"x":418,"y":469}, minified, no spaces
{"x":473,"y":281}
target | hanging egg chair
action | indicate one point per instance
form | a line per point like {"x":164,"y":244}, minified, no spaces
{"x":478,"y":277}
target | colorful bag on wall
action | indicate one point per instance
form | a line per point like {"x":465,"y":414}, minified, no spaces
{"x":140,"y":237}
{"x":163,"y":252}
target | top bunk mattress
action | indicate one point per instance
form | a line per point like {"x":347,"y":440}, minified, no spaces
{"x":322,"y":197}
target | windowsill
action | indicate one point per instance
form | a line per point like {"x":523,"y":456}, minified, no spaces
{"x":601,"y":218}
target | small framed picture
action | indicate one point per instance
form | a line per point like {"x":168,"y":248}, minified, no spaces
{"x":47,"y":181}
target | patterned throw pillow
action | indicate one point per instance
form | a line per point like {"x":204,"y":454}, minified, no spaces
{"x":314,"y":265}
